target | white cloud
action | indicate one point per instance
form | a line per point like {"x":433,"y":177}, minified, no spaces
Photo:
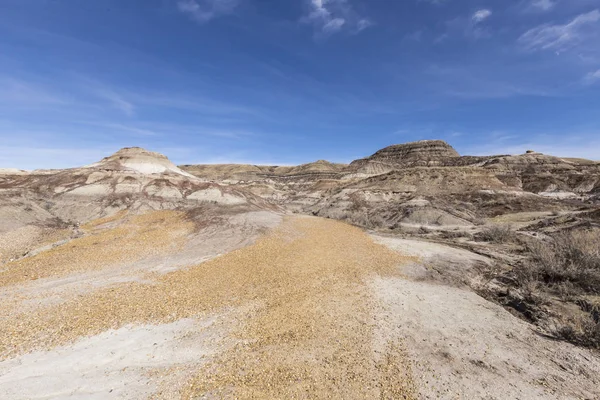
{"x":481,"y":15}
{"x":472,"y":27}
{"x":363,"y":24}
{"x":334,"y":25}
{"x":543,"y":5}
{"x":331,"y":16}
{"x":560,"y":37}
{"x":205,"y":10}
{"x":592,"y":77}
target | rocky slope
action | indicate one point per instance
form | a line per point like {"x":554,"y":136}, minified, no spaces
{"x":532,"y":172}
{"x":540,"y":173}
{"x":251,"y":173}
{"x":424,"y":182}
{"x":54,"y":203}
{"x":424,"y":153}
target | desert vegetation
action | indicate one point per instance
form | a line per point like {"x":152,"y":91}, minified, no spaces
{"x":567,"y":266}
{"x":551,"y":280}
{"x":497,"y":233}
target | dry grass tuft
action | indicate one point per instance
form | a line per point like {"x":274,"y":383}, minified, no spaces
{"x":571,"y":258}
{"x":497,"y":234}
{"x":569,"y":266}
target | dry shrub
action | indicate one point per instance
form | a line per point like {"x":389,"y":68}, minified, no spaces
{"x":584,"y":331}
{"x":568,"y":265}
{"x":423,"y":230}
{"x":570,"y":259}
{"x":497,"y":233}
{"x":455,"y":235}
{"x":365,"y":220}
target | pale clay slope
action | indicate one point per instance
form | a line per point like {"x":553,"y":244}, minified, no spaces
{"x":464,"y":347}
{"x":141,"y":161}
{"x":115,"y":364}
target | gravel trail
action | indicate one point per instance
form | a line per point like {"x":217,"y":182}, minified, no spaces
{"x":306,"y":324}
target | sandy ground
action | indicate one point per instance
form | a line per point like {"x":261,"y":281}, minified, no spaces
{"x":464,"y":347}
{"x":436,"y":262}
{"x":116,"y":363}
{"x":313,"y":309}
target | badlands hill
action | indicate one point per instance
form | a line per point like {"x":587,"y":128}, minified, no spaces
{"x":391,"y":183}
{"x":531,"y":172}
{"x":425,"y":153}
{"x":132,"y":180}
{"x":245,"y":172}
{"x":136,"y":159}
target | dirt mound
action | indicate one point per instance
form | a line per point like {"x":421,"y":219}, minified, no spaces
{"x":138,"y":160}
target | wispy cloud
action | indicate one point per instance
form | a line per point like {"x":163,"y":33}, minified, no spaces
{"x":21,"y":93}
{"x":475,"y":28}
{"x":161,"y":129}
{"x":472,"y":27}
{"x":592,"y":77}
{"x":436,"y":2}
{"x":543,"y":5}
{"x":478,"y":83}
{"x":126,"y":128}
{"x":131,"y":100}
{"x":481,"y":15}
{"x":115,"y":99}
{"x":561,"y":37}
{"x":332,"y":16}
{"x":204,"y":10}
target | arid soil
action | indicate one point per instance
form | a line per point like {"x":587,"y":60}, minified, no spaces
{"x":465,"y":347}
{"x":305,"y":322}
{"x":314,"y":309}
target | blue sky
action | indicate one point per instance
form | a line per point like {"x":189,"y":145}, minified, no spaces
{"x":292,"y":81}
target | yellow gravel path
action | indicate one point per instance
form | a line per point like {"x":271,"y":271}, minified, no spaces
{"x":311,"y":332}
{"x":133,"y":238}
